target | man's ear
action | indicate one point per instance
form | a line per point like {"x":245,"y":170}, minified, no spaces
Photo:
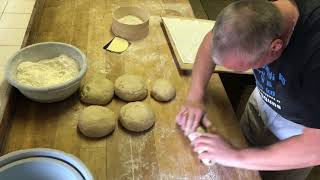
{"x":276,"y":47}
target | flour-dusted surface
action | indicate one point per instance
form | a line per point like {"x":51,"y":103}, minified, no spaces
{"x":187,"y":35}
{"x":47,"y":72}
{"x":162,"y":152}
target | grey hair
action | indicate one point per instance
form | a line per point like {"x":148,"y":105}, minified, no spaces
{"x":246,"y":27}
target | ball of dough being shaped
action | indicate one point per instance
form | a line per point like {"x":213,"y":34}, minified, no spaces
{"x":98,"y":91}
{"x":137,"y":116}
{"x":131,"y":88}
{"x":97,"y":121}
{"x":163,"y":90}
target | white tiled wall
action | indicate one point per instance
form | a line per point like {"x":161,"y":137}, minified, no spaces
{"x":14,"y":18}
{"x":5,"y":53}
{"x":3,"y":4}
{"x":11,"y":37}
{"x":19,"y":6}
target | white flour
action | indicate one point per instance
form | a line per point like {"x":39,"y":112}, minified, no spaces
{"x":47,"y":72}
{"x":130,"y":19}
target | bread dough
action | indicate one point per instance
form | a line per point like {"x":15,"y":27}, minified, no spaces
{"x":192,"y":137}
{"x":130,"y":19}
{"x":163,"y":90}
{"x":137,"y":116}
{"x":131,"y":88}
{"x":97,"y":91}
{"x":118,"y":45}
{"x":47,"y":72}
{"x":97,"y":121}
{"x":206,"y":162}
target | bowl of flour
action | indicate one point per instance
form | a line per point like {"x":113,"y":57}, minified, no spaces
{"x":130,"y":23}
{"x":47,"y":72}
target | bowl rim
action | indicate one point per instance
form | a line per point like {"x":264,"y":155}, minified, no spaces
{"x":59,"y":155}
{"x":37,"y":159}
{"x":15,"y":83}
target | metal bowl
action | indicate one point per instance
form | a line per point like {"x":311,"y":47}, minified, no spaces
{"x":41,"y":51}
{"x":42,"y":163}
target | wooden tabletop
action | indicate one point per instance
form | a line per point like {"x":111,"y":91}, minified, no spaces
{"x":162,"y":152}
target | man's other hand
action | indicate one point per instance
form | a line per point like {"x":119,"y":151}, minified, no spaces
{"x":190,"y":116}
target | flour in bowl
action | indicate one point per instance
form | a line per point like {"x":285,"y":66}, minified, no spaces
{"x":131,"y":20}
{"x":47,"y":72}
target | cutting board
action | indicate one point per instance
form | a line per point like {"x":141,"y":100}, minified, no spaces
{"x":185,"y":36}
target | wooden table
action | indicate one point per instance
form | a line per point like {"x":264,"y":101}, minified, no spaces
{"x":161,"y":153}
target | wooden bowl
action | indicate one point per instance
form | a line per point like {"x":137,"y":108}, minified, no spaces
{"x":131,"y":32}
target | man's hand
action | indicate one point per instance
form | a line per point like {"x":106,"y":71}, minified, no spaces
{"x":296,"y":152}
{"x":190,"y":116}
{"x":193,"y":111}
{"x":216,"y":149}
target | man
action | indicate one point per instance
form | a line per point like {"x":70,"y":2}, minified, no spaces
{"x":280,"y":41}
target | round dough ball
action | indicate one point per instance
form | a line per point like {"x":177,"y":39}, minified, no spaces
{"x":163,"y":90}
{"x":137,"y":116}
{"x":97,"y":121}
{"x":131,"y":88}
{"x":97,"y":91}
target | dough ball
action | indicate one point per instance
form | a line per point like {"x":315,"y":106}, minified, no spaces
{"x":137,"y":116}
{"x":97,"y":91}
{"x":97,"y":121}
{"x":163,"y":90}
{"x":131,"y":88}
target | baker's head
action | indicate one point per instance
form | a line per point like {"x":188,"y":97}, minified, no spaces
{"x":248,"y":34}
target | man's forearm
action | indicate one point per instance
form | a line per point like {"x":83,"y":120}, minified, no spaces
{"x":202,"y":70}
{"x":297,"y":152}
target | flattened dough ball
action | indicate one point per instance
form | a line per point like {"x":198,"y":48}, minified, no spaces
{"x":163,"y":90}
{"x":137,"y":116}
{"x":98,"y":91}
{"x":97,"y":121}
{"x":131,"y":88}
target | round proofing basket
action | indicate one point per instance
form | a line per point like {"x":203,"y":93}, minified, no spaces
{"x":131,"y":32}
{"x":46,"y":50}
